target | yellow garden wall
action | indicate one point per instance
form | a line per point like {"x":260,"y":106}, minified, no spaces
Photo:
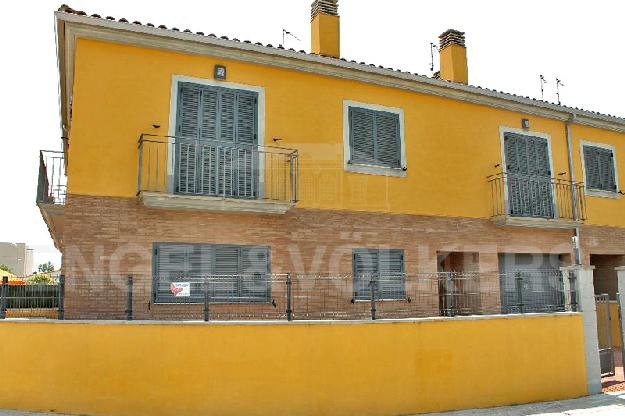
{"x":121,"y":91}
{"x":381,"y":368}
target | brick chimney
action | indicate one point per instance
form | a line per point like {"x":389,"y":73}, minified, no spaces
{"x":453,"y":53}
{"x":325,"y":28}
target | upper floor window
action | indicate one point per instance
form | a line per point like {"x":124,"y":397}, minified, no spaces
{"x":374,"y":141}
{"x":235,"y":274}
{"x":216,"y":142}
{"x":528,"y":175}
{"x":599,"y":168}
{"x":384,"y":267}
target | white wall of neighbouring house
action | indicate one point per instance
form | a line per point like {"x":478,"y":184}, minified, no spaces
{"x":18,"y":257}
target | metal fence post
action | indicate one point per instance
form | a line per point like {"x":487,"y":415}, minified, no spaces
{"x":206,"y":300}
{"x":3,"y":297}
{"x":61,"y":305}
{"x":518,"y":283}
{"x":289,"y":310}
{"x":129,"y":299}
{"x":450,"y":294}
{"x":373,"y":284}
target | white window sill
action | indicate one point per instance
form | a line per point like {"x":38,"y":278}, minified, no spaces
{"x":603,"y":194}
{"x":375,"y":170}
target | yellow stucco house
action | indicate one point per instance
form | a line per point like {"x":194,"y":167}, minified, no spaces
{"x":189,"y":154}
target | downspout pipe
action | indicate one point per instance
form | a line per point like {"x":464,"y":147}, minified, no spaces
{"x":577,"y":251}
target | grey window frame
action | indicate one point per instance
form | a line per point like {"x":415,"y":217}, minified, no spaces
{"x":361,"y":288}
{"x":375,"y":161}
{"x":197,"y":293}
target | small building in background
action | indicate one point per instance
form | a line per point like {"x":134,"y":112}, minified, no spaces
{"x":18,"y":257}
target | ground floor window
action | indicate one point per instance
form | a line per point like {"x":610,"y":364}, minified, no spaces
{"x":385,"y":267}
{"x":230,"y":273}
{"x":531,"y":283}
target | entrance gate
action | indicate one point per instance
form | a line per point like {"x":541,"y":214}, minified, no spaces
{"x":604,"y":331}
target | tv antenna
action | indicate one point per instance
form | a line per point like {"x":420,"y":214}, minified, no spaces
{"x":543,"y":81}
{"x":433,"y":48}
{"x":558,"y":85}
{"x":286,"y":33}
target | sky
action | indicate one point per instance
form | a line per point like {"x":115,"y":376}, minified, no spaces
{"x":509,"y":45}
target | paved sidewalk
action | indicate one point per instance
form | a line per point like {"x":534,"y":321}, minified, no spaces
{"x":599,"y":405}
{"x":611,"y":404}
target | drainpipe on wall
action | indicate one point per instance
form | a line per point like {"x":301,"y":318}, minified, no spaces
{"x":569,"y":141}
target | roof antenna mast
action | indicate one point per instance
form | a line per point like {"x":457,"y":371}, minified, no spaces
{"x":543,"y":81}
{"x":286,"y":33}
{"x":558,"y":85}
{"x":433,"y":47}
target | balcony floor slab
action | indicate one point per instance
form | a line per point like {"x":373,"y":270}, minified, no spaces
{"x":209,"y":203}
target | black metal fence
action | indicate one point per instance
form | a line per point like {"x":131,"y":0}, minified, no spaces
{"x":32,"y":300}
{"x":296,"y":296}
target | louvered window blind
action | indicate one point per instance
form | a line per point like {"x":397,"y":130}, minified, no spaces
{"x":238,"y":274}
{"x":374,"y":138}
{"x":386,"y":267}
{"x":599,"y":167}
{"x":216,"y":139}
{"x":528,"y":169}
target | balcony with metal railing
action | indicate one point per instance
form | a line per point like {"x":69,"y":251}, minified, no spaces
{"x":536,"y":201}
{"x":52,"y":192}
{"x":183,"y":173}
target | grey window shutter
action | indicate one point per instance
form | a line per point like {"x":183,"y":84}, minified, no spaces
{"x":208,"y":114}
{"x":600,"y":172}
{"x":387,"y":266}
{"x":187,"y":129}
{"x":215,"y":126}
{"x":225,"y":286}
{"x":207,"y":164}
{"x":374,"y":137}
{"x":361,"y":135}
{"x":391,"y":266}
{"x":188,"y":111}
{"x":591,"y":164}
{"x":236,"y":273}
{"x":528,"y":175}
{"x":227,"y":114}
{"x":255,"y":285}
{"x":365,"y":266}
{"x":247,"y":136}
{"x":171,"y":264}
{"x":388,"y":141}
{"x":514,"y":169}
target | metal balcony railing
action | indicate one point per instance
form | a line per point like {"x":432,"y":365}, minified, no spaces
{"x":532,"y":196}
{"x":52,"y":184}
{"x":186,"y":166}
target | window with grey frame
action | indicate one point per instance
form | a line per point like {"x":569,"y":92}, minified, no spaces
{"x":232,"y":273}
{"x":599,"y":168}
{"x":385,"y":267}
{"x":374,"y":138}
{"x":216,"y":141}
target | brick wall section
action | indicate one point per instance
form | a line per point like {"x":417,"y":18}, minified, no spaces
{"x":107,"y":239}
